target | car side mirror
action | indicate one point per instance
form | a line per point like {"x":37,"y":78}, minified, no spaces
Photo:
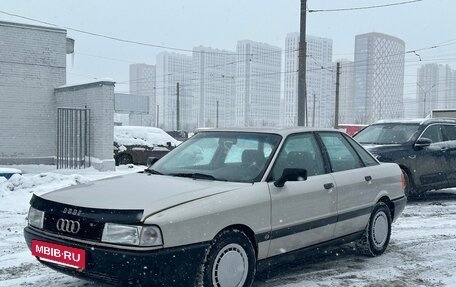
{"x":291,"y":174}
{"x":151,"y":160}
{"x":423,"y":142}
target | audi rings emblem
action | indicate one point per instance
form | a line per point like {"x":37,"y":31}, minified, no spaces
{"x":70,"y":226}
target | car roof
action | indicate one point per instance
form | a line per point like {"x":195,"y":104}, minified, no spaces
{"x":424,"y":121}
{"x":272,"y":130}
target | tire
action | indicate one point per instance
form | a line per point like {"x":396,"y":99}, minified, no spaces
{"x":124,"y":158}
{"x":378,"y":231}
{"x":410,"y":189}
{"x":230,"y":261}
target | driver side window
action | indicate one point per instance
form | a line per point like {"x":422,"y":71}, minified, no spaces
{"x":299,"y":151}
{"x":434,"y":133}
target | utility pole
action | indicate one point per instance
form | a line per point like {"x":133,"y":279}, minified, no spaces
{"x":313,"y":111}
{"x":177,"y":106}
{"x":425,"y":94}
{"x":336,"y":116}
{"x":217,"y":115}
{"x":158,"y":115}
{"x":302,"y":93}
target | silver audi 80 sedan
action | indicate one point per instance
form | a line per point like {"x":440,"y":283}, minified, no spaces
{"x":219,"y":207}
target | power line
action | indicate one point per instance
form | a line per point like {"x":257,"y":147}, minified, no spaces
{"x":126,"y":40}
{"x":362,"y":8}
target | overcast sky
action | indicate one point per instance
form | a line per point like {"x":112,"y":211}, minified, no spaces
{"x":220,"y":24}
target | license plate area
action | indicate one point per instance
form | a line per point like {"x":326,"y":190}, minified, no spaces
{"x":59,"y":254}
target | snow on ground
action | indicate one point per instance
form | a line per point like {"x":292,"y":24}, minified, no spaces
{"x":421,"y":251}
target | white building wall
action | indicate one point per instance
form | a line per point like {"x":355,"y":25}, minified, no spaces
{"x":435,"y":88}
{"x":172,"y":68}
{"x":379,"y":77}
{"x":213,"y":72}
{"x":99,"y":98}
{"x":143,"y":83}
{"x":32,"y":64}
{"x":320,"y":86}
{"x":346,"y":91}
{"x":258,"y":75}
{"x":290,"y":86}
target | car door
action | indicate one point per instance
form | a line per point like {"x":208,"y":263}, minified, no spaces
{"x":303,"y":212}
{"x":431,"y":162}
{"x":450,"y":137}
{"x":356,"y":183}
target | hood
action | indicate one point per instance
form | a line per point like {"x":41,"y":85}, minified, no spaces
{"x":151,"y":193}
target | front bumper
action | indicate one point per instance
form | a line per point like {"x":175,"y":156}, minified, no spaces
{"x":177,"y":266}
{"x":399,"y":205}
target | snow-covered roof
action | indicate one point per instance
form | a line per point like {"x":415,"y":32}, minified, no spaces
{"x":147,"y":136}
{"x":9,"y":170}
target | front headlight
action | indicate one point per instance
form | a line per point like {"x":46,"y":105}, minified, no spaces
{"x":35,"y":218}
{"x":132,"y":234}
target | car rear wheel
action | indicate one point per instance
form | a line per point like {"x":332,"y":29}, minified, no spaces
{"x":378,"y":231}
{"x":124,"y":159}
{"x":230,"y":261}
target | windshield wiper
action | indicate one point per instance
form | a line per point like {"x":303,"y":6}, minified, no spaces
{"x":152,"y":171}
{"x":196,"y":175}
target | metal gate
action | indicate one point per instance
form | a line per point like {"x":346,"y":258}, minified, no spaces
{"x":73,"y":138}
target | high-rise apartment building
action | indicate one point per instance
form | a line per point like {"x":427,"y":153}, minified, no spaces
{"x":379,"y":77}
{"x":435,"y":88}
{"x":346,"y":91}
{"x":213,"y":86}
{"x":258,"y":74}
{"x":142,"y":83}
{"x":320,"y":87}
{"x":173,"y":69}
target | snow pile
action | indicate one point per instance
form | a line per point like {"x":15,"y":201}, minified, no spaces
{"x":39,"y":182}
{"x":146,"y":136}
{"x":16,"y":192}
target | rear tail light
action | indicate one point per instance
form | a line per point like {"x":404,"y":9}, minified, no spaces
{"x":403,"y":181}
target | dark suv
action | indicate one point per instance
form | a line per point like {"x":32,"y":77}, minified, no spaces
{"x":425,"y":149}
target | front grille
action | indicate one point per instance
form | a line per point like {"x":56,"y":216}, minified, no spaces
{"x":88,"y":229}
{"x":90,"y":220}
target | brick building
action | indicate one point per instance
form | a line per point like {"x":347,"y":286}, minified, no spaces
{"x":32,"y":128}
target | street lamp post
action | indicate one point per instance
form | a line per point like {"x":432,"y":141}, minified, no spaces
{"x":425,"y":92}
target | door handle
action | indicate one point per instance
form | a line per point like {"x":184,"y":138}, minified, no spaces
{"x":368,"y":178}
{"x":328,"y":185}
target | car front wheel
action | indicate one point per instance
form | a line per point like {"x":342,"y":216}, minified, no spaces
{"x":378,"y":231}
{"x":230,"y":261}
{"x":409,"y":187}
{"x":124,"y":159}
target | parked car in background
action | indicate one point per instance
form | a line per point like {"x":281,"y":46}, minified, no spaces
{"x":8,"y":172}
{"x":179,"y":135}
{"x":425,"y":149}
{"x":220,"y":206}
{"x":351,"y":129}
{"x":135,"y":144}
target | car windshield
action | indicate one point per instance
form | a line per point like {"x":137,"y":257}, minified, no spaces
{"x":387,"y":133}
{"x":227,"y":156}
